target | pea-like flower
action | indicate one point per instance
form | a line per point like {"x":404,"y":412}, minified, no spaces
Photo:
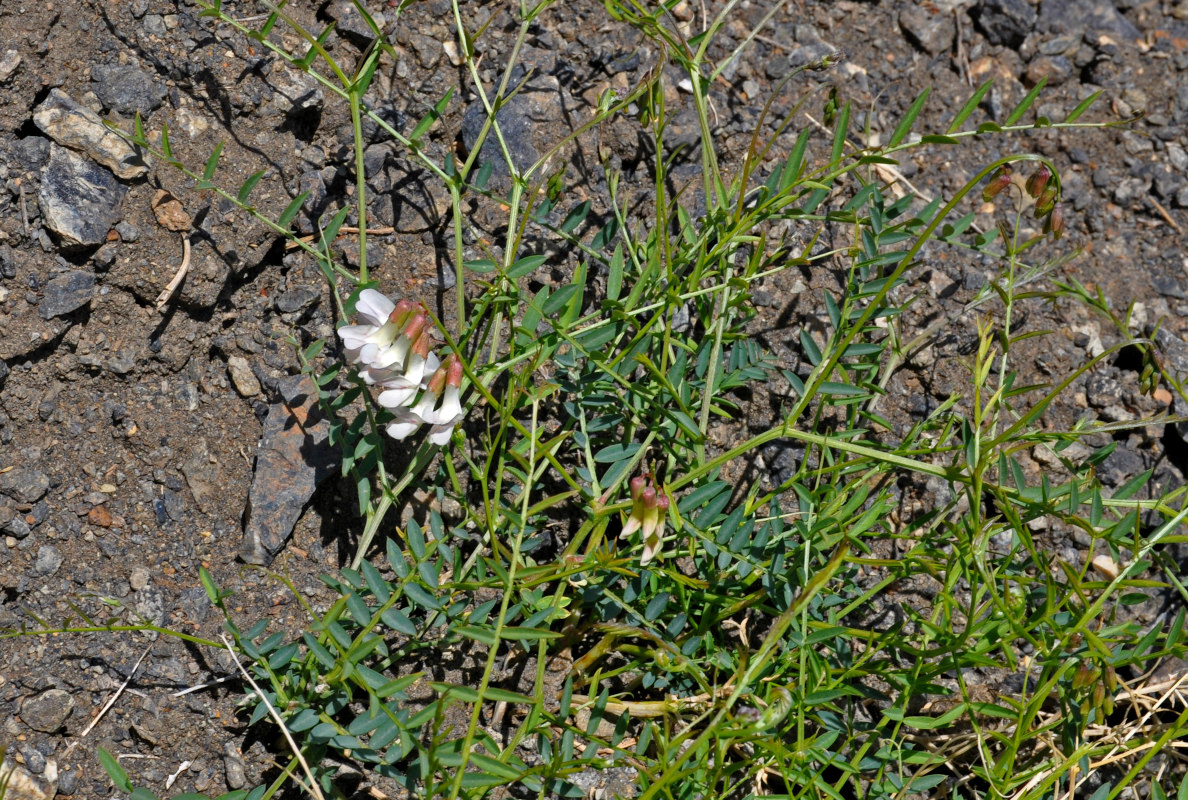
{"x":649,"y":508}
{"x":446,"y":383}
{"x":392,"y":347}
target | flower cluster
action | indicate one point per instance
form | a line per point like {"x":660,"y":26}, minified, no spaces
{"x":649,"y":506}
{"x":1040,"y":186}
{"x":392,"y":350}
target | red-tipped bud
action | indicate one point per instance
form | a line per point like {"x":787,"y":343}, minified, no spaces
{"x":1054,"y":222}
{"x":662,"y":502}
{"x":401,"y":312}
{"x":437,"y":382}
{"x":1038,"y":180}
{"x":647,"y":497}
{"x":454,"y":371}
{"x":1045,"y":202}
{"x":637,"y":486}
{"x":997,"y":184}
{"x":414,"y":325}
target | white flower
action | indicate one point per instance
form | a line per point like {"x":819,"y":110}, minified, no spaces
{"x":371,"y":341}
{"x":446,"y":381}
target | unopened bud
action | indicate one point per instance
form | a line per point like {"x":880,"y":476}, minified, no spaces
{"x":998,"y":182}
{"x":1084,"y":676}
{"x":1046,"y":202}
{"x":637,"y":486}
{"x":1038,"y":180}
{"x":454,"y":371}
{"x":1054,"y":223}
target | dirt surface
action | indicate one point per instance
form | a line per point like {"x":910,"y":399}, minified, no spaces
{"x":129,"y":436}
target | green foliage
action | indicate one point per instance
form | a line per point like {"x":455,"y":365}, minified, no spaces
{"x":746,"y":657}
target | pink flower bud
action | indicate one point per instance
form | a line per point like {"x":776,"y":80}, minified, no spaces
{"x":1038,"y":180}
{"x":998,"y":182}
{"x":1045,"y":202}
{"x":1054,"y":222}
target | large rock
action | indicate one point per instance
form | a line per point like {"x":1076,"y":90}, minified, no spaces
{"x":79,"y":128}
{"x":48,"y":711}
{"x":294,"y":456}
{"x":79,"y":199}
{"x":67,"y":291}
{"x":127,"y":89}
{"x":1079,"y":16}
{"x":1005,"y":22}
{"x":24,"y":485}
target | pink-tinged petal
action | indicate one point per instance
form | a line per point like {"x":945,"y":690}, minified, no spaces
{"x":374,"y":307}
{"x":633,"y":524}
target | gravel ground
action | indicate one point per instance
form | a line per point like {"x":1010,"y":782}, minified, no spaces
{"x":129,"y":438}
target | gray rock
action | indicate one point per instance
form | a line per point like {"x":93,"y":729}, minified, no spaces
{"x":242,"y":376}
{"x":293,"y":92}
{"x":127,"y":231}
{"x":294,"y":456}
{"x":66,"y":292}
{"x":8,"y":262}
{"x":49,"y":558}
{"x":1079,"y":16}
{"x":48,"y":711}
{"x":73,"y":125}
{"x":79,"y":199}
{"x":530,"y":113}
{"x":3,"y":372}
{"x":295,"y":299}
{"x":127,"y":88}
{"x":9,"y":62}
{"x":18,"y":527}
{"x":928,"y":28}
{"x":24,"y":485}
{"x":351,"y":24}
{"x":1005,"y":22}
{"x":234,"y":767}
{"x":31,"y":152}
{"x":1057,"y":69}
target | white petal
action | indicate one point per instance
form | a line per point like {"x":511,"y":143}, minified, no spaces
{"x":440,"y":434}
{"x":374,"y":307}
{"x":451,"y":406}
{"x":397,"y":396}
{"x":415,"y":368}
{"x":403,"y":426}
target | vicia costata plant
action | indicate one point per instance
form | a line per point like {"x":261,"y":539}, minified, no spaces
{"x":392,"y":349}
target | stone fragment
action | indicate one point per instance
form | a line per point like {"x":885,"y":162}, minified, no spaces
{"x":1005,"y":22}
{"x":242,"y":376}
{"x":294,"y":92}
{"x":79,"y":199}
{"x":1081,"y":16}
{"x":1057,"y":69}
{"x":24,"y":485}
{"x":73,"y":125}
{"x":929,"y":28}
{"x":233,"y":767}
{"x":99,"y":515}
{"x":204,"y":479}
{"x":49,"y":558}
{"x":169,"y":212}
{"x":295,"y":299}
{"x":48,"y":711}
{"x":8,"y":64}
{"x":20,"y":785}
{"x":350,"y":22}
{"x":127,"y":88}
{"x":293,"y":457}
{"x":65,"y":292}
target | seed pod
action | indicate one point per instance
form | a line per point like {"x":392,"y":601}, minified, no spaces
{"x":1038,"y":180}
{"x":1046,"y":202}
{"x":998,"y":182}
{"x":1084,"y":676}
{"x":1054,"y":222}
